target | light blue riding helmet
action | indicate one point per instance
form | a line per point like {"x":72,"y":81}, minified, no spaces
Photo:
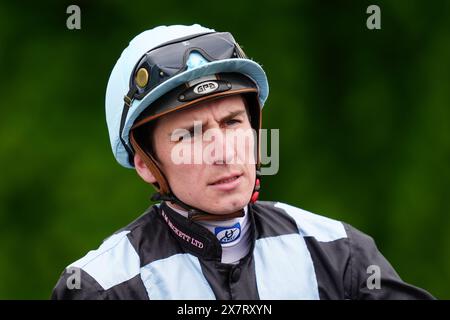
{"x":121,"y":116}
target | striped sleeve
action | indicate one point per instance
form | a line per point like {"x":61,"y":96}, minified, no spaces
{"x":76,"y":284}
{"x":372,"y":276}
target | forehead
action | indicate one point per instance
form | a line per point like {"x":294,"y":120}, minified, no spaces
{"x":215,"y":108}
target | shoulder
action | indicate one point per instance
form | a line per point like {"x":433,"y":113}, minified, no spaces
{"x":318,"y":229}
{"x":308,"y":224}
{"x":114,"y":262}
{"x":120,"y":257}
{"x":324,"y":241}
{"x":345,"y":259}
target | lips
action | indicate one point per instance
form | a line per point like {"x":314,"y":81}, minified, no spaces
{"x":226,"y":179}
{"x":227,"y":183}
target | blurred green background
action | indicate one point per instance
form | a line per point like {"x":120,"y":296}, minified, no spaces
{"x":363,"y":118}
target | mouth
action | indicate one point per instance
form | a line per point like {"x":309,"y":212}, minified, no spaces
{"x":226,"y":183}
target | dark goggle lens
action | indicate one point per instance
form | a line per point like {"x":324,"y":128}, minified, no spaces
{"x":166,"y":61}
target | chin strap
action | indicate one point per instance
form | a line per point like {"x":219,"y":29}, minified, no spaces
{"x":195,"y":214}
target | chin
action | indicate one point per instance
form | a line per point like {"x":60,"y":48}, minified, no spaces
{"x":230,"y":206}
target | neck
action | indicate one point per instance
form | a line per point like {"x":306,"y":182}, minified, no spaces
{"x":233,"y":234}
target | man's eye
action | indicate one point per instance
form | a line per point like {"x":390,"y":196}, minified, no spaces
{"x":233,"y":121}
{"x":185,"y":137}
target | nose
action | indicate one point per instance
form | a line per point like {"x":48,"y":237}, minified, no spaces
{"x":220,"y":147}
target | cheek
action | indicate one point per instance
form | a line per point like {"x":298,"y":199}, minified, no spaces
{"x":184,"y":178}
{"x":245,"y":150}
{"x":178,"y":174}
{"x":251,"y":169}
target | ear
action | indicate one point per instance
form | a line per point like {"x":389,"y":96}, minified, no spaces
{"x":142,"y":169}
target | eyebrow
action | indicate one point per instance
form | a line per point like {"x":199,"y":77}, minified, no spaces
{"x":229,"y":116}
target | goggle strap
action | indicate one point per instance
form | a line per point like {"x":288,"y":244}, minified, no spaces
{"x":128,"y":99}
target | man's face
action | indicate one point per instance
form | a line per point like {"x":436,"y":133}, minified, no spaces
{"x":219,"y":175}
